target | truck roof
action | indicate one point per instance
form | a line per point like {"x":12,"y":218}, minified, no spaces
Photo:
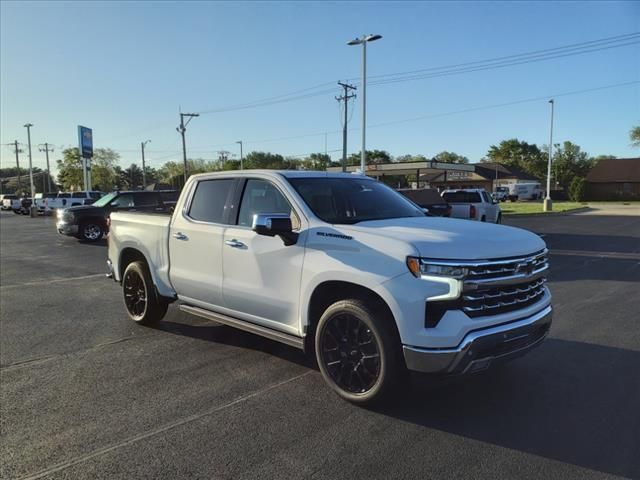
{"x":283,"y":173}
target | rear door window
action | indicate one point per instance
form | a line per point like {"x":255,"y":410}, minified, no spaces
{"x":210,"y":199}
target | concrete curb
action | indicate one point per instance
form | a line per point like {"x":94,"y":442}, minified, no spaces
{"x":549,"y":214}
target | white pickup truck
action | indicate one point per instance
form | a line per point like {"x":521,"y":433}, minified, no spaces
{"x":473,"y":204}
{"x":340,"y":265}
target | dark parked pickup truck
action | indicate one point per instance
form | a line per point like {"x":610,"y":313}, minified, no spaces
{"x":91,"y":222}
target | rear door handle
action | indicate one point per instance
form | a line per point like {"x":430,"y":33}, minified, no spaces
{"x":234,"y":243}
{"x":180,"y":236}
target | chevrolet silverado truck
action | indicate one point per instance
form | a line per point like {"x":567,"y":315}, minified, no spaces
{"x":339,"y":265}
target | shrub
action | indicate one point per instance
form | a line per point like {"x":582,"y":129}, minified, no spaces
{"x":577,"y":189}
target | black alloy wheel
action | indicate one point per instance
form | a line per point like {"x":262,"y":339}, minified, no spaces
{"x":135,"y":294}
{"x":141,"y":299}
{"x":350,"y":353}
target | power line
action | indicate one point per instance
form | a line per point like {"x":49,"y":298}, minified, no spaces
{"x":479,"y":65}
{"x":573,"y":46}
{"x":506,"y":104}
{"x":494,"y":66}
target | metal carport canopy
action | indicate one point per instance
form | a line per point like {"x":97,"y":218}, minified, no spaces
{"x":408,"y":168}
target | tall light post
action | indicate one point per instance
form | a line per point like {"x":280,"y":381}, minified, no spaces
{"x":144,"y":173}
{"x":241,"y":157}
{"x":548,"y":204}
{"x":33,"y":209}
{"x":363,"y":41}
{"x":181,"y":129}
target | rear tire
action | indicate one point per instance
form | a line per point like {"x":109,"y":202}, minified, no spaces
{"x":483,"y":219}
{"x":143,"y":304}
{"x":91,"y":231}
{"x":358,"y":351}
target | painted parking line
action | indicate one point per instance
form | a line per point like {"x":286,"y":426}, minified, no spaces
{"x":169,"y":426}
{"x":55,"y":280}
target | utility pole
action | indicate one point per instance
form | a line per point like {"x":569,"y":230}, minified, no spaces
{"x":47,"y":148}
{"x":181,"y":129}
{"x":144,"y":173}
{"x":33,"y":209}
{"x":548,"y":204}
{"x":17,"y":150}
{"x":344,"y":98}
{"x":241,"y":157}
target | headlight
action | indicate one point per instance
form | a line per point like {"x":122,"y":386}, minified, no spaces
{"x":419,"y":266}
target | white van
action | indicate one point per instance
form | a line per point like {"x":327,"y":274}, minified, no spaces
{"x":525,"y":191}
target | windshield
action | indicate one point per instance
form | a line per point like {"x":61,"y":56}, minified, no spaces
{"x":352,"y":200}
{"x":104,"y":201}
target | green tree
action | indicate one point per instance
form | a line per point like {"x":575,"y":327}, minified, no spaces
{"x":373,"y":157}
{"x":411,"y":158}
{"x":634,"y":135}
{"x":519,"y":154}
{"x":569,"y":161}
{"x":267,"y":160}
{"x":316,"y":161}
{"x":131,"y":178}
{"x":103,"y":173}
{"x":577,"y":189}
{"x":450,"y":157}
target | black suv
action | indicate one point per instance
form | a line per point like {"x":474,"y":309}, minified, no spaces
{"x":430,"y":199}
{"x":91,"y":222}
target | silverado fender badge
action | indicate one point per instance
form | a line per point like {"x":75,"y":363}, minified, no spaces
{"x":334,"y":235}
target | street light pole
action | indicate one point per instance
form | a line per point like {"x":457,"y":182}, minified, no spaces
{"x":241,"y":157}
{"x":181,"y":129}
{"x":33,"y":209}
{"x":363,"y":41}
{"x":548,"y":204}
{"x":144,"y":173}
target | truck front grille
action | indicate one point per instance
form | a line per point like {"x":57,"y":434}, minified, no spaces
{"x":496,"y":300}
{"x":493,"y":287}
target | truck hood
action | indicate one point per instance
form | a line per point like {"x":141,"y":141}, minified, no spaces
{"x":84,"y":209}
{"x":453,"y":239}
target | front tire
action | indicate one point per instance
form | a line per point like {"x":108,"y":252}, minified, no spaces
{"x":143,"y":304}
{"x":358,"y":351}
{"x":91,"y":231}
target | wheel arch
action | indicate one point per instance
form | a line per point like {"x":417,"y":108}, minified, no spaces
{"x":131,"y":254}
{"x":331,"y":291}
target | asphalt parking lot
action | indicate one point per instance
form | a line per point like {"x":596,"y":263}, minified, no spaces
{"x":85,"y":393}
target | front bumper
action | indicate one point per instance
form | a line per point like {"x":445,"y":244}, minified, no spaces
{"x":481,"y":348}
{"x":67,"y":229}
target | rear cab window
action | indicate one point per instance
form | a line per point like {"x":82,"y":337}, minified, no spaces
{"x":462,"y":197}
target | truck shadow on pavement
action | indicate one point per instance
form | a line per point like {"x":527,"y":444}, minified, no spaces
{"x":568,"y":401}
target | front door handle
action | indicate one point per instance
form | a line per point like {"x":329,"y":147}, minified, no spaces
{"x":234,"y":243}
{"x":180,"y":236}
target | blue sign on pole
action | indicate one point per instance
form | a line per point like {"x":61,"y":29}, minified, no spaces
{"x":85,"y":141}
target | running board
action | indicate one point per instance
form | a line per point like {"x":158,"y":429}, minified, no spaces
{"x":281,"y":337}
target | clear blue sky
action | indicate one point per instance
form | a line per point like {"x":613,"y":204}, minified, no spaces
{"x":125,"y":68}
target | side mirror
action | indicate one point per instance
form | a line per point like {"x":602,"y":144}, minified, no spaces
{"x":425,"y":211}
{"x":114,"y":204}
{"x":272,"y":224}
